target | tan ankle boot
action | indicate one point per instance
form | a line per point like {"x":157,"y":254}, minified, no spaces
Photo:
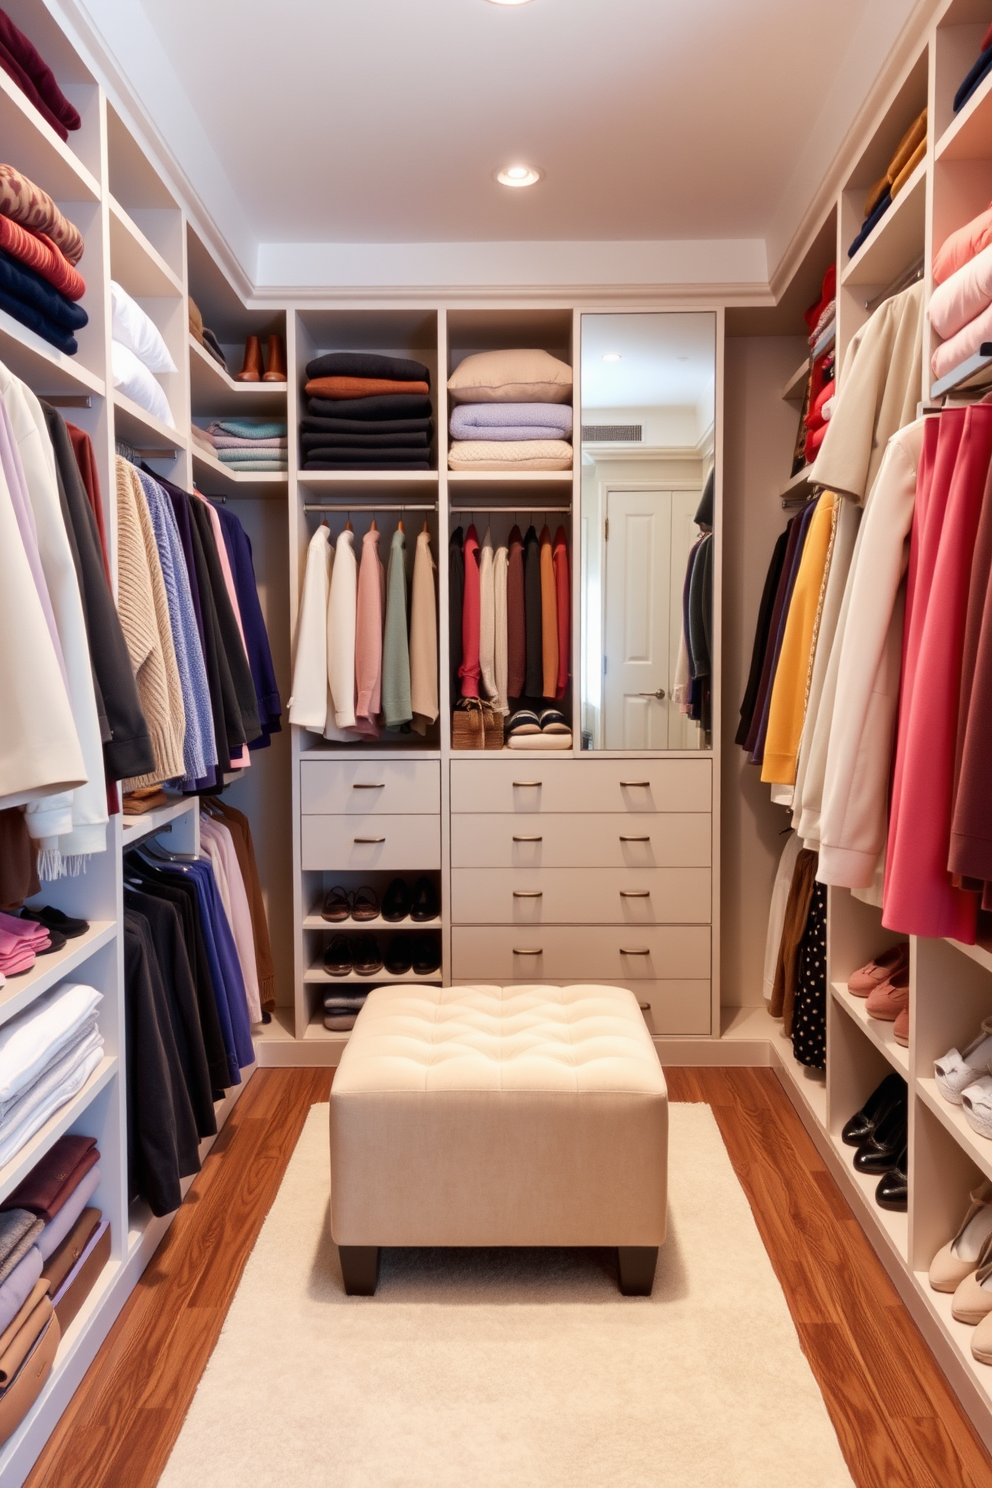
{"x":252,"y":369}
{"x":277,"y":361}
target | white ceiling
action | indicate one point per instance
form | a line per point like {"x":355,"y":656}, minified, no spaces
{"x":380,"y":122}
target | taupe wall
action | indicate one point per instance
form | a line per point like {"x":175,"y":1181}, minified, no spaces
{"x":760,"y":431}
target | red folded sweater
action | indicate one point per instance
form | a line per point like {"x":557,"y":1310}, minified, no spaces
{"x":38,"y":252}
{"x":32,"y":74}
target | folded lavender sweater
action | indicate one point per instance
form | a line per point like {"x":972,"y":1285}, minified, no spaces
{"x":507,"y":421}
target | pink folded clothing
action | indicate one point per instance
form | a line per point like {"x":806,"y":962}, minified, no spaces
{"x":967,"y":242}
{"x":963,"y":345}
{"x":963,"y":296}
{"x":31,"y":932}
{"x":15,"y":966}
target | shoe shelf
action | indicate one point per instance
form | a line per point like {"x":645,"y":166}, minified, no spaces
{"x":315,"y":921}
{"x":215,"y":392}
{"x":959,"y":1335}
{"x":20,"y":991}
{"x":809,"y":1084}
{"x":41,"y":365}
{"x":953,"y":1119}
{"x":317,"y":976}
{"x":34,"y":1150}
{"x":879,"y":1031}
{"x":135,"y":263}
{"x":40,"y":154}
{"x":893,"y":1225}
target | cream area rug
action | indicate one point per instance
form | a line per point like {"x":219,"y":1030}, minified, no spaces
{"x":512,"y":1369}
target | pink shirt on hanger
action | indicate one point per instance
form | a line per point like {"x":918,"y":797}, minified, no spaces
{"x":470,"y":670}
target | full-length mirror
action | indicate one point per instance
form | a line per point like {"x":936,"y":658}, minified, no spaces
{"x":648,"y":404}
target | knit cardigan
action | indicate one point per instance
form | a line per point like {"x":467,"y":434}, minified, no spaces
{"x":423,"y":638}
{"x":144,"y":610}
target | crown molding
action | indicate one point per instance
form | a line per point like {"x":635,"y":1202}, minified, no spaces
{"x":549,"y":296}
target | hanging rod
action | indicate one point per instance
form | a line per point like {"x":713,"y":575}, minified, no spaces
{"x":68,"y":400}
{"x":544,"y":506}
{"x":344,"y":508}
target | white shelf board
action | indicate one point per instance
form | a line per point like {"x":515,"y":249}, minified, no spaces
{"x":273,"y":480}
{"x":314,"y":921}
{"x":137,"y":827}
{"x":214,"y":391}
{"x":797,"y":485}
{"x":953,"y":1119}
{"x":879,"y":1032}
{"x":897,"y":238}
{"x":319,"y":478}
{"x":135,"y":263}
{"x":136,"y":426}
{"x":796,"y":385}
{"x":42,"y":366}
{"x":974,"y":953}
{"x":317,"y":976}
{"x":47,"y":971}
{"x":969,"y":135}
{"x":963,"y":374}
{"x":36,"y":149}
{"x":316,"y":1033}
{"x":958,"y":1334}
{"x":14,"y":1171}
{"x":894,"y":1225}
{"x":511,"y":477}
{"x":811,"y":1084}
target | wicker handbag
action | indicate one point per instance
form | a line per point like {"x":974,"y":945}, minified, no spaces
{"x":474,"y":725}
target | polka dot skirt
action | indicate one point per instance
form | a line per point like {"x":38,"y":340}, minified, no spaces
{"x":809,"y":1021}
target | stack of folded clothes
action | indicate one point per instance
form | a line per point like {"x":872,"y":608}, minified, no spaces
{"x":366,"y":412}
{"x":39,"y":250}
{"x":912,"y":148}
{"x":512,"y":412}
{"x":977,"y":73}
{"x":341,"y":1009}
{"x":821,"y":319}
{"x":46,"y":1056}
{"x":245,"y":444}
{"x":204,"y":336}
{"x":960,"y":308}
{"x":137,"y":354}
{"x":32,"y":74}
{"x":20,"y":942}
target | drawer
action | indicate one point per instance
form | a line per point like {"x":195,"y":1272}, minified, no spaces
{"x":404,"y":844}
{"x":565,"y":896}
{"x":528,"y":784}
{"x":582,"y":953}
{"x":600,"y":840}
{"x":358,"y":787}
{"x":670,"y":1008}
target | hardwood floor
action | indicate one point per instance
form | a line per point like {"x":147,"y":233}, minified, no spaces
{"x":898,"y":1422}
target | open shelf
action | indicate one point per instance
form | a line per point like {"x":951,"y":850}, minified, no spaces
{"x":42,"y":366}
{"x":969,"y":136}
{"x":136,"y":265}
{"x":19,"y":1166}
{"x":811,"y":1084}
{"x":879,"y":1032}
{"x":313,"y":921}
{"x":797,"y":488}
{"x":44,"y":158}
{"x":137,"y":827}
{"x":136,"y":426}
{"x":894,"y":1226}
{"x":20,"y":991}
{"x":317,"y":1033}
{"x":202,"y":462}
{"x":510,"y":477}
{"x":386,"y":478}
{"x":959,"y":1334}
{"x":796,"y":385}
{"x":897,"y":238}
{"x":978,"y":1148}
{"x":317,"y":976}
{"x":214,"y":391}
{"x":975,"y":953}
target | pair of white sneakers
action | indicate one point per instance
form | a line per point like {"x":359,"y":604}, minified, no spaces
{"x":964,"y":1077}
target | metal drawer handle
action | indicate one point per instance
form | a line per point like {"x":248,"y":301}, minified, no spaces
{"x":528,"y":893}
{"x":518,"y":952}
{"x":634,"y":839}
{"x":645,"y":1007}
{"x":636,"y":784}
{"x":370,"y":839}
{"x":625,"y":951}
{"x":360,"y":785}
{"x":529,"y":784}
{"x":528,"y":839}
{"x":635,"y":893}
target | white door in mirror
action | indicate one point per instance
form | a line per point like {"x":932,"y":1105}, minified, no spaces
{"x":637,"y":621}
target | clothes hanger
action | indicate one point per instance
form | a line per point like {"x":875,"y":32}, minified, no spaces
{"x":347,"y":526}
{"x":399,"y":524}
{"x":373,"y":527}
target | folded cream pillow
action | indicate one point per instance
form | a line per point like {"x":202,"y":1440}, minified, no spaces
{"x":511,"y":377}
{"x":136,"y":330}
{"x":510,"y":454}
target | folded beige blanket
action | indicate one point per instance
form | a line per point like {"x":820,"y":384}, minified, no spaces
{"x":510,"y":454}
{"x":539,"y":741}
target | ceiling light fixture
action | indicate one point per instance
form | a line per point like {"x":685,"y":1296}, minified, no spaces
{"x":508,"y":2}
{"x":518,"y":175}
{"x":611,"y":356}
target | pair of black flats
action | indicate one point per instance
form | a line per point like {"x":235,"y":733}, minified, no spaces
{"x":404,"y":953}
{"x":880,"y":1133}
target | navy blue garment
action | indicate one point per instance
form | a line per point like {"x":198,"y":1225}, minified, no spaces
{"x":974,"y":77}
{"x":870,"y":223}
{"x":35,"y":293}
{"x":263,"y":673}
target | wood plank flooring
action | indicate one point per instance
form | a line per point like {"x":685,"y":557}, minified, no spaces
{"x":897,"y":1420}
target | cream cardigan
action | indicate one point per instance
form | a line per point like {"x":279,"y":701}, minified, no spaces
{"x":423,"y":638}
{"x":310,"y":705}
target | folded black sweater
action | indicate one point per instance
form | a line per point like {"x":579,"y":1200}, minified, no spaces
{"x":364,"y":441}
{"x":335,"y":426}
{"x":367,"y":457}
{"x":378,"y":406}
{"x":367,"y":364}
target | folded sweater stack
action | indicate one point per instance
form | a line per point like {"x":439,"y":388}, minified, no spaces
{"x":246,"y":444}
{"x":821,"y":319}
{"x":911,"y":150}
{"x":977,"y":73}
{"x":20,"y":942}
{"x":512,"y":412}
{"x":366,"y":412}
{"x":39,"y":250}
{"x":32,"y":74}
{"x":46,"y":1056}
{"x":960,"y":309}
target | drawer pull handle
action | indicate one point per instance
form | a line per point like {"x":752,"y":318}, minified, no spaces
{"x":370,"y":839}
{"x":625,"y":951}
{"x":528,"y":839}
{"x":635,"y":893}
{"x":518,"y":952}
{"x":645,"y":1007}
{"x":529,"y":784}
{"x":634,"y":839}
{"x":361,"y":785}
{"x":636,"y":784}
{"x":528,"y":893}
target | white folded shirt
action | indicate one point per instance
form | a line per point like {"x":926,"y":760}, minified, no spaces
{"x":31,"y":1041}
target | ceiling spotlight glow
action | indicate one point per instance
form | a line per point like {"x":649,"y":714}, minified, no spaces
{"x":518,"y":175}
{"x":611,"y":356}
{"x":508,"y":2}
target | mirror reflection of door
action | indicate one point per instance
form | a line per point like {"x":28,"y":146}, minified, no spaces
{"x":647,"y":534}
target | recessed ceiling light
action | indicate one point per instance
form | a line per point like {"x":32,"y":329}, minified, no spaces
{"x":611,"y":356}
{"x":682,"y":359}
{"x":518,"y":175}
{"x":508,"y":2}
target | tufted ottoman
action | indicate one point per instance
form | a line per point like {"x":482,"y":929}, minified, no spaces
{"x":499,"y":1116}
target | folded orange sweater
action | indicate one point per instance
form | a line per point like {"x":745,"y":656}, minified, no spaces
{"x":26,"y":203}
{"x":38,"y":252}
{"x":361,"y":387}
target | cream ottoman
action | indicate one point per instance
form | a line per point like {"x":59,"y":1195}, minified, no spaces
{"x":499,"y":1116}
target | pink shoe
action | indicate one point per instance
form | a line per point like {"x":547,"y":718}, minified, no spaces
{"x":900,"y":1028}
{"x":890,"y":998}
{"x":880,"y":970}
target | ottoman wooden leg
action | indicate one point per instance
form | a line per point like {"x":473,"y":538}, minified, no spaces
{"x":636,"y":1264}
{"x":360,"y":1269}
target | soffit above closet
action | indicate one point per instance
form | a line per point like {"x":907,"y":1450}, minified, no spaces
{"x":383,"y":122}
